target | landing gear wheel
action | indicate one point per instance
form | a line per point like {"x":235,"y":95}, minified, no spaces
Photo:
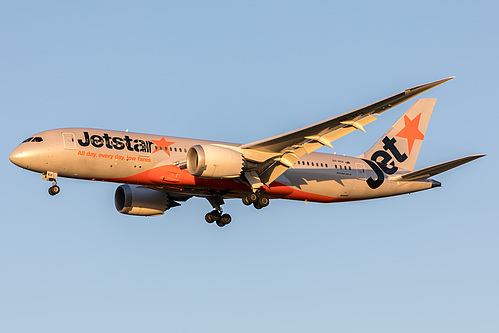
{"x":263,"y":201}
{"x":246,"y":200}
{"x":53,"y":190}
{"x":257,"y":206}
{"x":225,"y":219}
{"x":213,"y":216}
{"x":216,"y":215}
{"x":253,"y":197}
{"x":209,"y":218}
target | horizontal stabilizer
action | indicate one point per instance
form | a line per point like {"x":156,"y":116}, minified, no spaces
{"x":436,"y":169}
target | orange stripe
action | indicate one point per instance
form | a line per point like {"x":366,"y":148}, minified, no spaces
{"x":170,"y":175}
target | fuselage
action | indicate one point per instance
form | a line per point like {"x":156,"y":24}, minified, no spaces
{"x":158,"y":161}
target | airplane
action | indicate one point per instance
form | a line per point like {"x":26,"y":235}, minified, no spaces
{"x":159,"y":172}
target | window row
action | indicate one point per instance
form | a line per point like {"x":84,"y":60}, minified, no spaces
{"x":316,"y":164}
{"x":173,"y":149}
{"x":324,"y":165}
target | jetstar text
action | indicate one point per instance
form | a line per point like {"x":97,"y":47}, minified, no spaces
{"x":118,"y":143}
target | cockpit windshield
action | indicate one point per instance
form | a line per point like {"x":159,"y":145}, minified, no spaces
{"x":33,"y":139}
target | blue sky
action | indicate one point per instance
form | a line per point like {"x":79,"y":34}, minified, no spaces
{"x":243,"y":71}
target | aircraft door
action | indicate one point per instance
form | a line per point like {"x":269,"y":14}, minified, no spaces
{"x":361,"y":171}
{"x":69,"y":140}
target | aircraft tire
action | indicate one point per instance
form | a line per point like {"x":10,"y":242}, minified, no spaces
{"x":53,"y":190}
{"x":253,"y":197}
{"x":209,"y":218}
{"x":246,"y":200}
{"x":225,"y":219}
{"x":257,"y":206}
{"x":215,"y":215}
{"x":263,"y":201}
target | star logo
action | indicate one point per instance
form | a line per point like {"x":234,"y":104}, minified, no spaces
{"x":162,"y":145}
{"x":411,"y":131}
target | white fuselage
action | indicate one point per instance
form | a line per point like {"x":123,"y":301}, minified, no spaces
{"x":158,"y":161}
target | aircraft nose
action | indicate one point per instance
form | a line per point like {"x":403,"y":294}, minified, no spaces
{"x":16,"y":156}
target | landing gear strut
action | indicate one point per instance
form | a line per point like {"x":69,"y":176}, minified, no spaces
{"x":216,"y":215}
{"x":258,"y":199}
{"x":52,"y":177}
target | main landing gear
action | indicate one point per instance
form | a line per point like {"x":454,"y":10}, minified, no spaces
{"x":257,"y":199}
{"x":217,"y":215}
{"x":52,"y":177}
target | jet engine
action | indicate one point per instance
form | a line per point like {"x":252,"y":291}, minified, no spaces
{"x":212,"y":161}
{"x":142,"y":201}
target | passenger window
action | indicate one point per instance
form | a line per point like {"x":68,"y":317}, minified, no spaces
{"x":308,"y":163}
{"x":326,"y":165}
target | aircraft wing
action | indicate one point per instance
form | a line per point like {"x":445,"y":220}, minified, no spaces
{"x":273,"y":156}
{"x":285,"y":141}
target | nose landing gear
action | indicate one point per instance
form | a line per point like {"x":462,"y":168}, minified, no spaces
{"x":52,"y":177}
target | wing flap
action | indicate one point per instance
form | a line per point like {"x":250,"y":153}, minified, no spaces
{"x":283,"y":162}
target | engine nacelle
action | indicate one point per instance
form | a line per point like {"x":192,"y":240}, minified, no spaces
{"x":212,"y":161}
{"x":140,"y":200}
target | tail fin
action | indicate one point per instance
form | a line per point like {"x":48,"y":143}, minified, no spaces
{"x":399,"y":146}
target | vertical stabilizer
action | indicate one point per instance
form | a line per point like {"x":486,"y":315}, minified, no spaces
{"x":399,"y":146}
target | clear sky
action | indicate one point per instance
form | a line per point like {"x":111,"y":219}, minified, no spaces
{"x":243,"y":71}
